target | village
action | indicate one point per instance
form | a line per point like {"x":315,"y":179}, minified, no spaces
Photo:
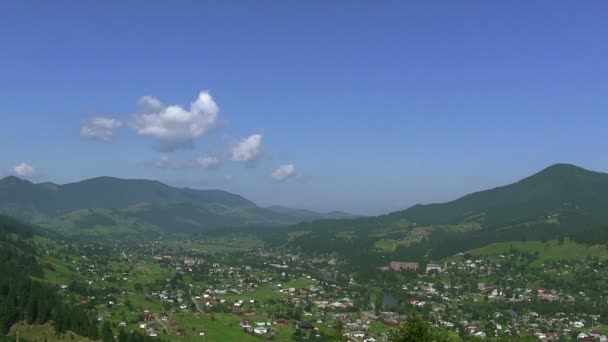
{"x":258,"y":294}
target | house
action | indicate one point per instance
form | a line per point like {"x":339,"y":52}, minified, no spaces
{"x":304,"y":325}
{"x":260,"y":330}
{"x":338,"y":305}
{"x":321,"y":304}
{"x":578,"y":324}
{"x":390,"y":322}
{"x":188,"y":261}
{"x":433,"y":268}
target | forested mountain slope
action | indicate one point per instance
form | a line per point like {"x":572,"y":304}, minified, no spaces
{"x":119,"y":207}
{"x":557,"y":189}
{"x":24,"y":299}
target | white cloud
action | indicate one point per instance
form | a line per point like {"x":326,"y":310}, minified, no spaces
{"x":208,"y":162}
{"x":174,"y":127}
{"x":283,"y":172}
{"x":228,"y":178}
{"x":24,"y":170}
{"x":149,"y":103}
{"x":248,"y":150}
{"x":100,"y":128}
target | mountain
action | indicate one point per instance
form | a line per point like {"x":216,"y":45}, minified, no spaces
{"x":561,"y":200}
{"x":310,"y":215}
{"x":557,"y":189}
{"x":105,"y":192}
{"x":121,"y":206}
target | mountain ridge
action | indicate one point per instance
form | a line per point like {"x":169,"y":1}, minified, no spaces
{"x":110,"y":204}
{"x":108,"y":193}
{"x":306,"y":213}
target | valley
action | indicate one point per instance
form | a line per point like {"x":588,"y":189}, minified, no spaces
{"x":303,"y":171}
{"x":486,"y":269}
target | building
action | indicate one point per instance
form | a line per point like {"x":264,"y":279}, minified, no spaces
{"x":401,"y":266}
{"x":433,"y":267}
{"x":260,"y":330}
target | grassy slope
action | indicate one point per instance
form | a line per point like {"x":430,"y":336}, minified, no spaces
{"x":550,"y":250}
{"x":44,"y":332}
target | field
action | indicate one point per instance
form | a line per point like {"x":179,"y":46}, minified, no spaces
{"x":57,"y":271}
{"x":45,"y":332}
{"x":409,"y":236}
{"x":386,"y":245}
{"x":549,"y":250}
{"x":219,"y":327}
{"x":227,"y":243}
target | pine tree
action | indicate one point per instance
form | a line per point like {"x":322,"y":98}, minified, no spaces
{"x":106,"y":332}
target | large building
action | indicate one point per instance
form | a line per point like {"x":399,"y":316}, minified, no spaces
{"x":401,"y":266}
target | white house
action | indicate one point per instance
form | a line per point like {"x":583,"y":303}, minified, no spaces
{"x":260,"y":330}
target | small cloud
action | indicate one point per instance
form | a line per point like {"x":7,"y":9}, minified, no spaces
{"x":208,"y":162}
{"x":284,"y":172}
{"x":24,"y":170}
{"x":100,"y":128}
{"x":164,"y":162}
{"x":228,"y":178}
{"x":248,"y":150}
{"x":149,"y":104}
{"x":174,"y":127}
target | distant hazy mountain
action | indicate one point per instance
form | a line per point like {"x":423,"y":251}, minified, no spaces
{"x":309,"y":215}
{"x":113,"y":205}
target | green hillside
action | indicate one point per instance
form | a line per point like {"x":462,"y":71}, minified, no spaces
{"x":561,"y":200}
{"x":558,"y":188}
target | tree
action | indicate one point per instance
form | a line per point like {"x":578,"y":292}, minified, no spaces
{"x":340,"y":332}
{"x":106,"y":332}
{"x":418,"y":330}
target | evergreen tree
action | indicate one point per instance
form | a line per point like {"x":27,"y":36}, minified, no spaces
{"x":418,"y":330}
{"x":106,"y":332}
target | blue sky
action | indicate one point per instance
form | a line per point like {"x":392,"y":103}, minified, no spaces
{"x":369,"y":106}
